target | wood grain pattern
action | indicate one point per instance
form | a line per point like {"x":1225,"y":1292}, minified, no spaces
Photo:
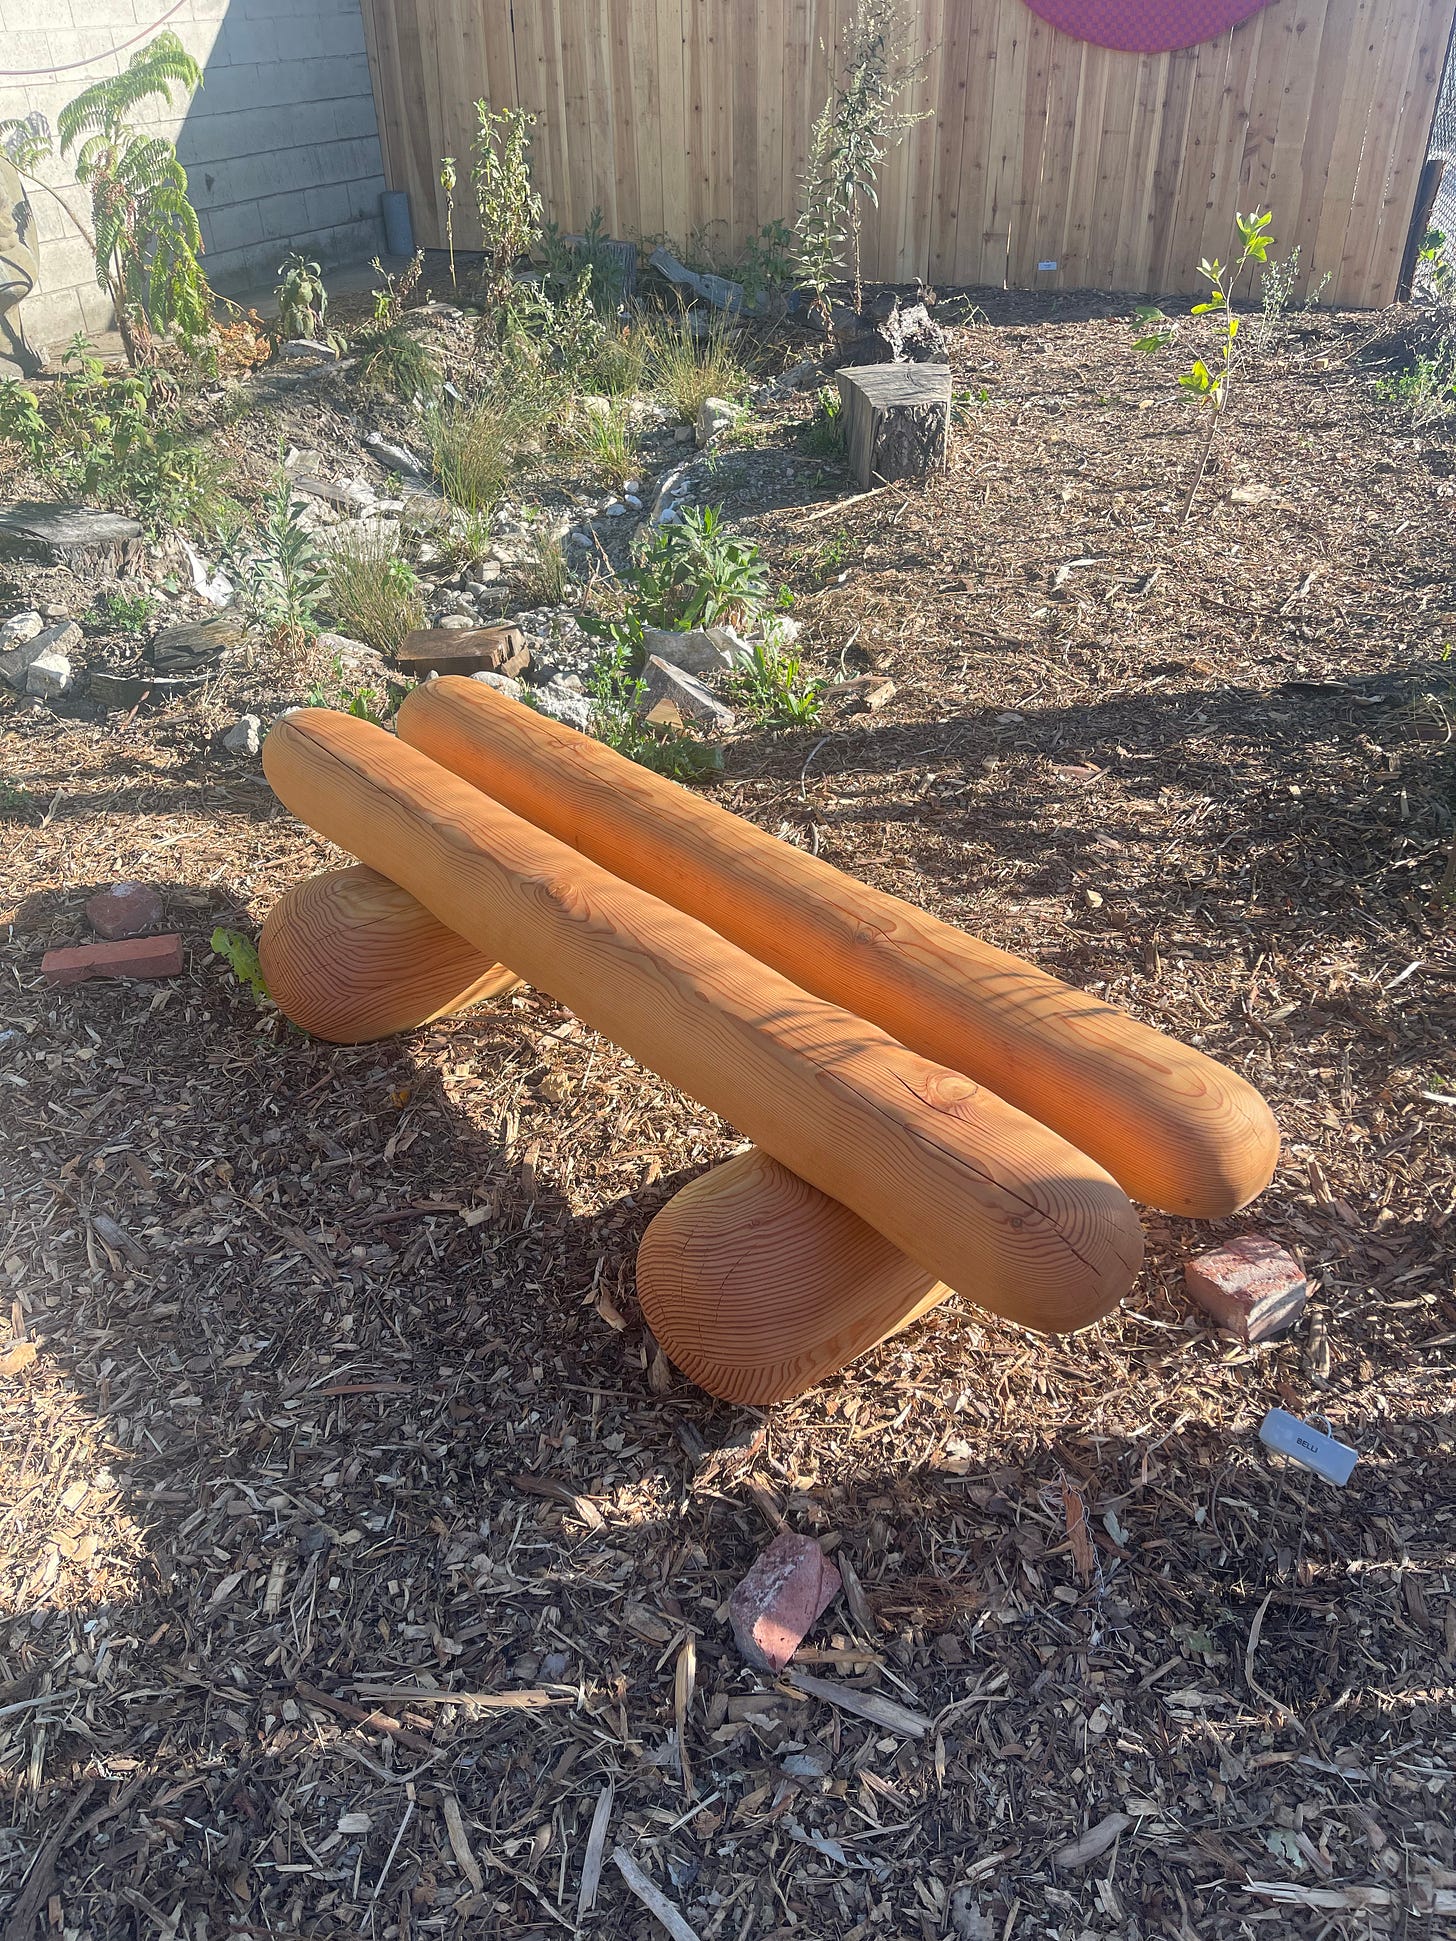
{"x":749,"y":1239}
{"x":984,"y":1198}
{"x":683,"y":116}
{"x":1176,"y":1129}
{"x":349,"y":957}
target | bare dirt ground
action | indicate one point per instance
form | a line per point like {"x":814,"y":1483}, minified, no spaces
{"x":357,"y":1544}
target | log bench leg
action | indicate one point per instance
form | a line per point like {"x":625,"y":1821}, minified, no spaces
{"x":348,"y":956}
{"x":758,"y":1286}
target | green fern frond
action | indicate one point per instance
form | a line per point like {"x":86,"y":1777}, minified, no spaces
{"x":151,"y":74}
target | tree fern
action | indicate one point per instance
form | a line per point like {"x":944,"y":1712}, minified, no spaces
{"x":147,"y":240}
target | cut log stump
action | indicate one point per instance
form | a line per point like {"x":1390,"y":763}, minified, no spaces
{"x":896,"y":419}
{"x":464,"y":650}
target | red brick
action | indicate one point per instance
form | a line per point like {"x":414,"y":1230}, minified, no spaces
{"x":791,"y":1584}
{"x":124,"y":910}
{"x":132,"y":957}
{"x":1252,"y":1286}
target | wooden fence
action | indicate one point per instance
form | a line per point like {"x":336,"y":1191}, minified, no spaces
{"x":1047,"y":163}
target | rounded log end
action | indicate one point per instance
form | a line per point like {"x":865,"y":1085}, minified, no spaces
{"x":348,"y":956}
{"x":758,"y":1286}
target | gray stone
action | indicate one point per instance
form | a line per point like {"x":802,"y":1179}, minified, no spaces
{"x":502,"y":683}
{"x":714,"y":415}
{"x":696,"y":652}
{"x":672,"y":489}
{"x":394,"y":457}
{"x":15,"y":666}
{"x":564,"y":706}
{"x":347,"y":497}
{"x":670,"y":694}
{"x":308,"y":350}
{"x":730,"y":644}
{"x":245,"y":737}
{"x":50,"y":674}
{"x":19,"y":628}
{"x":453,"y":621}
{"x":717,"y":290}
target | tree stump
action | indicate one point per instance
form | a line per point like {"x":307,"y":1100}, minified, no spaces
{"x":71,"y":535}
{"x":896,"y":419}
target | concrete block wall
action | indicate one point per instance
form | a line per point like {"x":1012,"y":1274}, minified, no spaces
{"x":280,"y":144}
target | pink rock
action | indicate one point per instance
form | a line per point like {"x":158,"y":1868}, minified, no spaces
{"x":125,"y":910}
{"x":1252,"y":1286}
{"x":132,"y":957}
{"x":791,"y":1584}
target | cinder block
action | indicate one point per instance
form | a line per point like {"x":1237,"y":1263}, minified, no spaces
{"x":1252,"y":1286}
{"x":234,"y":89}
{"x":328,"y":206}
{"x":236,"y":227}
{"x":354,"y":118}
{"x":283,"y":217}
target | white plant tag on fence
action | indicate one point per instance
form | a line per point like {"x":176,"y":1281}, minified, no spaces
{"x":1286,"y":1433}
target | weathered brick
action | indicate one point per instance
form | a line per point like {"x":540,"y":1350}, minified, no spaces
{"x":789,"y":1586}
{"x":124,"y":910}
{"x":131,"y":957}
{"x":1252,"y":1286}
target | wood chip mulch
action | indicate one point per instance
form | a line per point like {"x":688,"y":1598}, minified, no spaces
{"x":364,"y":1567}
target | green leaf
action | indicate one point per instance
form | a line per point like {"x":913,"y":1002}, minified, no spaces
{"x":242,"y":958}
{"x":1157,"y":341}
{"x":1202,"y":309}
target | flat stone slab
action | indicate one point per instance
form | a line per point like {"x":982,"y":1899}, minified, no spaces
{"x":195,"y":646}
{"x":34,"y":529}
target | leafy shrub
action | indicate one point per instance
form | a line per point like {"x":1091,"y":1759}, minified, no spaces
{"x":303,"y":302}
{"x":1426,"y":389}
{"x":364,"y":703}
{"x":615,"y":692}
{"x":1212,"y":386}
{"x":856,"y":129}
{"x":123,"y":613}
{"x":120,"y":442}
{"x":590,"y":256}
{"x":698,"y":574}
{"x":373,"y":591}
{"x":279,"y":572}
{"x":508,"y":205}
{"x":144,"y":234}
{"x":772,"y":688}
{"x":823,"y":435}
{"x":391,"y":357}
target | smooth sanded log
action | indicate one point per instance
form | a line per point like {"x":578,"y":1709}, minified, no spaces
{"x":1173,"y":1127}
{"x":350,"y":956}
{"x":984,"y":1198}
{"x":749,"y":1238}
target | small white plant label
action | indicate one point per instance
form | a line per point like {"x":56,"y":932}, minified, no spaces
{"x":1046,"y":266}
{"x":1290,"y":1437}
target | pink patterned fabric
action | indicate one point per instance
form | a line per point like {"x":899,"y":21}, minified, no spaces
{"x":1145,"y":26}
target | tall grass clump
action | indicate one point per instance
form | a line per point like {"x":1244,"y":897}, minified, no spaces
{"x":475,"y":442}
{"x":687,"y":369}
{"x":373,"y":592}
{"x":606,"y":440}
